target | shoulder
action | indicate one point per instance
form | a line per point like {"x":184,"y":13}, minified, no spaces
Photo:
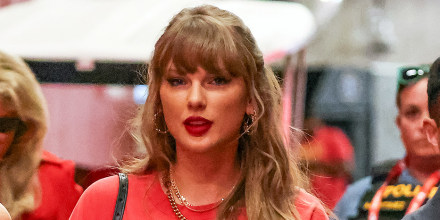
{"x":56,"y":166}
{"x":57,"y":178}
{"x":360,"y":185}
{"x":48,"y":157}
{"x":308,"y":206}
{"x":348,"y":204}
{"x":109,"y":186}
{"x":428,"y":211}
{"x":98,"y":200}
{"x":57,"y":172}
{"x":103,"y":188}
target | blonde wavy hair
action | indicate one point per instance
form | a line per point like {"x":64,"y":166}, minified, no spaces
{"x":21,"y":94}
{"x":203,"y":36}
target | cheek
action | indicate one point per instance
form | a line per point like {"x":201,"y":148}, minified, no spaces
{"x":167,"y":100}
{"x":171,"y":107}
{"x":410,"y":132}
{"x":407,"y":130}
{"x":234,"y":108}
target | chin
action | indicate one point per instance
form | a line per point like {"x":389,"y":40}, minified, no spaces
{"x":426,"y":154}
{"x":196,"y":146}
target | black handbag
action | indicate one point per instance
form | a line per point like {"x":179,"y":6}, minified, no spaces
{"x":122,"y":197}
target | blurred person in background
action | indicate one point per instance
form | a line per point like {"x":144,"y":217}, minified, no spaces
{"x":34,"y":184}
{"x":211,"y":131}
{"x":398,"y":188}
{"x":327,"y":154}
{"x":431,"y":126}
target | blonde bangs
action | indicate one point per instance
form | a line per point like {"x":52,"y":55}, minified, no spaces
{"x":216,"y":49}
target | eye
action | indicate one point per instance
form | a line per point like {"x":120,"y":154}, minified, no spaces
{"x":219,"y":81}
{"x":176,"y":81}
{"x":412,"y":113}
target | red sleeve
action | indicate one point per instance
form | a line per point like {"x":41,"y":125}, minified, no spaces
{"x":59,"y":190}
{"x":98,"y":200}
{"x":309,"y":207}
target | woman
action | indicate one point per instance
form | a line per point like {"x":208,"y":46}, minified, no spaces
{"x":210,"y":128}
{"x":34,"y":184}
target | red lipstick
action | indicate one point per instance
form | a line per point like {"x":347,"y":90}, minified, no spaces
{"x":197,"y":126}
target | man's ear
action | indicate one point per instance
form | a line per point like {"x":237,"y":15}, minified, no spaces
{"x":432,"y":132}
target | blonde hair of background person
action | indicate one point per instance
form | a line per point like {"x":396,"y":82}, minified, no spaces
{"x":269,"y":173}
{"x":21,"y":94}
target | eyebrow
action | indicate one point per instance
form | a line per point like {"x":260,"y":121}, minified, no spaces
{"x":173,"y":71}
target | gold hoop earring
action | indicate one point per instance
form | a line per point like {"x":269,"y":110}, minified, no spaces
{"x":249,"y":122}
{"x":156,"y":116}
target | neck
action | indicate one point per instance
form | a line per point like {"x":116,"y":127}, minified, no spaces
{"x":205,"y":178}
{"x":421,"y":167}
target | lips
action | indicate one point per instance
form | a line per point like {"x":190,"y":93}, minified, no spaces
{"x":197,"y":126}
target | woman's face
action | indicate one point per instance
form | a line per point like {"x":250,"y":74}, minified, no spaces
{"x":413,"y":108}
{"x":203,"y":111}
{"x":7,"y":131}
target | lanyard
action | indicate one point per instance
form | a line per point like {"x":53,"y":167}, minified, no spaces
{"x":373,"y":213}
{"x":415,"y":203}
{"x":418,"y":200}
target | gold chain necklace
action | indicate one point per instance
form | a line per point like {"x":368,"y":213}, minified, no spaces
{"x":185,"y":202}
{"x":167,"y":184}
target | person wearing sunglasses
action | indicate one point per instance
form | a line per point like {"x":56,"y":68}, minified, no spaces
{"x":399,"y":187}
{"x":431,"y":127}
{"x":34,"y":184}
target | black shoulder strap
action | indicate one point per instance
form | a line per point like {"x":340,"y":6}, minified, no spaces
{"x":122,"y":197}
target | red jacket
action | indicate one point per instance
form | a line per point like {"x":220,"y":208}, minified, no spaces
{"x":59,"y":190}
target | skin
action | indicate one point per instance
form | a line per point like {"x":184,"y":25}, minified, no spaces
{"x":422,"y":155}
{"x":412,"y":111}
{"x":4,"y":214}
{"x":432,"y":130}
{"x":5,"y":138}
{"x":206,"y":167}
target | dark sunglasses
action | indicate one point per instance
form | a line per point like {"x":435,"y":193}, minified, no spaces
{"x":8,"y":124}
{"x":410,"y":74}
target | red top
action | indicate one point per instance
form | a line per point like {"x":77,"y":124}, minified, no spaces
{"x":147,"y":200}
{"x":59,"y":190}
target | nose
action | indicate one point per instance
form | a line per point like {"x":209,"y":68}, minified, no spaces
{"x":196,"y":97}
